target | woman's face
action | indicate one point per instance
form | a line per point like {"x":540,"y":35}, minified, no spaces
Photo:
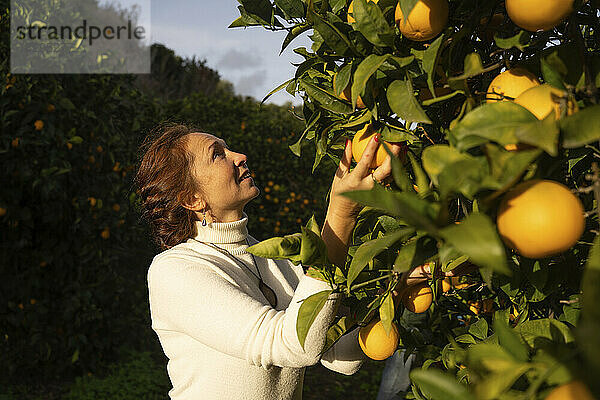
{"x":222,"y":174}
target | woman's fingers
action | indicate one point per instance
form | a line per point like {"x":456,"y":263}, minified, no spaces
{"x":385,"y":170}
{"x":346,"y":157}
{"x":364,"y":164}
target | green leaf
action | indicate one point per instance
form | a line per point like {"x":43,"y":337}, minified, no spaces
{"x":477,"y":238}
{"x":402,"y":101}
{"x":286,"y":247}
{"x":439,"y":386}
{"x":581,"y":128}
{"x":541,"y":133}
{"x":413,"y":210}
{"x":453,"y":171}
{"x":551,"y":329}
{"x":66,"y":104}
{"x":420,"y":176}
{"x":509,"y":340}
{"x":506,"y":167}
{"x":430,"y":57}
{"x":520,"y":41}
{"x":493,"y":121}
{"x":277,"y":89}
{"x":363,"y":72}
{"x":472,"y":67}
{"x":406,"y":6}
{"x":372,"y":24}
{"x":551,"y":75}
{"x":309,"y":309}
{"x":261,"y":10}
{"x":334,"y":38}
{"x":342,"y":79}
{"x":370,"y":249}
{"x":76,"y":140}
{"x":398,"y":172}
{"x":293,"y":34}
{"x":414,"y":253}
{"x":589,"y":326}
{"x":337,"y":331}
{"x":291,"y":8}
{"x":324,"y":98}
{"x":479,"y":329}
{"x":386,"y":313}
{"x":491,"y":357}
{"x":312,"y":249}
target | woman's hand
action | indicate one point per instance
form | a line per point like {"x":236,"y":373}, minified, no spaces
{"x":341,"y":211}
{"x":358,"y":179}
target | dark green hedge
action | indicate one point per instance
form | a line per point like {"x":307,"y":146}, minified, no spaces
{"x":73,"y":254}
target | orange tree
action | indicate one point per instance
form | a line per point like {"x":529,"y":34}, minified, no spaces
{"x":497,"y":102}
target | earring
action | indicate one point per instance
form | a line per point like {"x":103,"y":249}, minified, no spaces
{"x":204,"y":218}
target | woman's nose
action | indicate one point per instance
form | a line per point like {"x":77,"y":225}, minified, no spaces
{"x":240,"y":159}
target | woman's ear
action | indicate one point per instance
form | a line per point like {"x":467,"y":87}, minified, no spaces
{"x":195,"y":203}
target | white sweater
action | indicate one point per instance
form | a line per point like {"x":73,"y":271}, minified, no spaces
{"x":223,"y":339}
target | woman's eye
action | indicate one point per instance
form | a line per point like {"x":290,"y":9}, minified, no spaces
{"x":220,"y":153}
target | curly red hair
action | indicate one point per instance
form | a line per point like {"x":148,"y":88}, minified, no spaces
{"x":164,"y":183}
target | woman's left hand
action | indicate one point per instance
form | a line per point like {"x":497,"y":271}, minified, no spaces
{"x":358,"y":179}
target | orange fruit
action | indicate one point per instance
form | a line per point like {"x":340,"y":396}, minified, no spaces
{"x":418,"y":298}
{"x":542,"y":100}
{"x":485,"y":306}
{"x":360,"y":141}
{"x":536,"y":15}
{"x":39,"y":125}
{"x":350,"y":18}
{"x":575,"y":390}
{"x":375,"y":342}
{"x":425,"y":21}
{"x":446,"y":285}
{"x":511,"y":83}
{"x":540,"y":218}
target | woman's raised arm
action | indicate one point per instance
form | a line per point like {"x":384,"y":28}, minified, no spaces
{"x":341,"y":211}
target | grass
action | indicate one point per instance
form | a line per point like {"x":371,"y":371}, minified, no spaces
{"x":140,"y":375}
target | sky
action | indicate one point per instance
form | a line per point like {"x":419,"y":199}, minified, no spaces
{"x":247,"y":57}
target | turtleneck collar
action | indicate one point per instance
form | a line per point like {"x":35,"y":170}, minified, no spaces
{"x":223,"y":232}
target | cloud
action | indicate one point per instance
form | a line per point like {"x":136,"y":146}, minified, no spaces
{"x":253,"y":84}
{"x":234,"y":59}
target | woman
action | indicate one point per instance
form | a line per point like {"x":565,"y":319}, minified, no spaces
{"x":226,"y":319}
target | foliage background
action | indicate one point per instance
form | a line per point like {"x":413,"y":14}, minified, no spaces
{"x":73,"y":253}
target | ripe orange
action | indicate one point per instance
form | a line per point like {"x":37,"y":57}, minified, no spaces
{"x":347,"y":94}
{"x":360,"y":141}
{"x":446,"y":285}
{"x":511,"y":83}
{"x":350,"y":18}
{"x":425,"y":21}
{"x":374,"y":341}
{"x":540,"y":218}
{"x":542,"y":100}
{"x":575,"y":390}
{"x":535,"y":15}
{"x":418,"y":298}
{"x":485,"y":306}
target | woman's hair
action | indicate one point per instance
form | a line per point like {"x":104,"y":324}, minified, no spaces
{"x":164,"y":182}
